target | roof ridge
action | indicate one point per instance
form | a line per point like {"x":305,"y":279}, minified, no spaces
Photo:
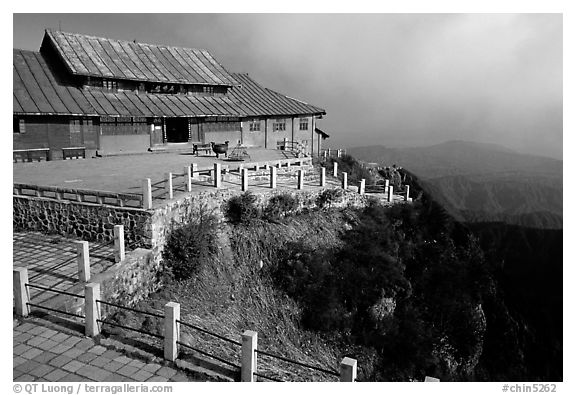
{"x":124,"y":41}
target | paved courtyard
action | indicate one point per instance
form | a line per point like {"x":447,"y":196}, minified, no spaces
{"x":44,"y":352}
{"x":123,"y":173}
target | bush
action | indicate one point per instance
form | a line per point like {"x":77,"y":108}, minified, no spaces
{"x":281,"y":205}
{"x":190,"y":245}
{"x":242,"y":208}
{"x":328,"y":197}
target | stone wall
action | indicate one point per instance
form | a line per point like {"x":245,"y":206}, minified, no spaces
{"x":131,"y":280}
{"x":86,"y":221}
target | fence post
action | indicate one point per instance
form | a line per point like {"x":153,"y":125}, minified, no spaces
{"x":194,"y":170}
{"x":168,"y":185}
{"x":217,"y":175}
{"x":362,"y":187}
{"x":21,"y":297}
{"x":344,"y":180}
{"x":273,"y":175}
{"x":386,"y":185}
{"x":83,"y":260}
{"x":348,"y":368}
{"x":390,"y":193}
{"x":119,"y":252}
{"x":92,"y":309}
{"x":188,"y":173}
{"x":249,"y":365}
{"x":285,"y":144}
{"x":171,"y":330}
{"x":147,"y":194}
{"x":300,"y":179}
{"x":339,"y":154}
{"x":407,"y":197}
{"x":322,"y":176}
{"x":335,"y":169}
{"x":244,"y":180}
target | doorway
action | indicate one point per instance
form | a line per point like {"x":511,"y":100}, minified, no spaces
{"x":177,"y":130}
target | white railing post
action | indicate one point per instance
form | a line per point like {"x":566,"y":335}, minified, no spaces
{"x":300,"y":179}
{"x":348,"y":368}
{"x":335,"y":169}
{"x":273,"y":176}
{"x":171,"y":330}
{"x":147,"y":194}
{"x":92,"y":309}
{"x":249,"y":364}
{"x":322,"y":176}
{"x":217,"y":175}
{"x":407,"y":197}
{"x":244,"y":180}
{"x":344,"y":180}
{"x":20,"y":291}
{"x":194,"y":171}
{"x":339,"y":153}
{"x":119,"y":251}
{"x":83,"y":260}
{"x":188,"y":175}
{"x":391,"y":193}
{"x":168,"y":185}
{"x":362,"y":187}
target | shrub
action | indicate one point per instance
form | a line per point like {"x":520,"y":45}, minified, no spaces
{"x":328,"y":197}
{"x":242,"y":208}
{"x":190,"y":245}
{"x":281,"y":205}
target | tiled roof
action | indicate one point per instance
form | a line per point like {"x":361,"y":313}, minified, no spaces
{"x":257,"y":100}
{"x":108,"y":58}
{"x":37,"y":91}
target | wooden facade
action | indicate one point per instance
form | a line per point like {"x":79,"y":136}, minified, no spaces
{"x":115,"y":96}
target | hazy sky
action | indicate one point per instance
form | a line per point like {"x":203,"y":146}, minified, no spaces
{"x":390,"y":79}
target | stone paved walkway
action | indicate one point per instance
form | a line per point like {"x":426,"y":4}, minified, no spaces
{"x":51,"y":262}
{"x":44,"y":352}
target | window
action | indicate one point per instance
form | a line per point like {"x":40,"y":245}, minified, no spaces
{"x":303,"y":123}
{"x":19,"y":126}
{"x":279,"y":126}
{"x":208,"y":90}
{"x":255,"y":126}
{"x":110,"y":85}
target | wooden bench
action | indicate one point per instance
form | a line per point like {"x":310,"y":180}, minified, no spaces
{"x":30,"y":155}
{"x":201,"y":147}
{"x":73,"y":153}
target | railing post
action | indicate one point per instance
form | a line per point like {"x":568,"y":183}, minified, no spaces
{"x":168,"y":185}
{"x":339,"y":153}
{"x":407,"y":197}
{"x":344,"y":180}
{"x":147,"y":194}
{"x":285,"y":144}
{"x":348,"y":368}
{"x":171,"y":330}
{"x":362,"y":187}
{"x":217,"y":175}
{"x":300,"y":179}
{"x":390,"y":193}
{"x":83,"y":260}
{"x":92,"y":309}
{"x":322,"y":176}
{"x":386,"y":185}
{"x":244,"y":180}
{"x":335,"y":169}
{"x":194,"y":170}
{"x":273,"y":176}
{"x":188,"y":174}
{"x":21,"y":296}
{"x":119,"y":252}
{"x":249,"y":364}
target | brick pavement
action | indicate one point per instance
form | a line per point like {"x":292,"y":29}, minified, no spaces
{"x":45,"y":352}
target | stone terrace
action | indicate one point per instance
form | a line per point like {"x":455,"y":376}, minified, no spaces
{"x":124,"y":174}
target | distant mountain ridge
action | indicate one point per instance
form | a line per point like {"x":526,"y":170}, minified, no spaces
{"x":479,"y":182}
